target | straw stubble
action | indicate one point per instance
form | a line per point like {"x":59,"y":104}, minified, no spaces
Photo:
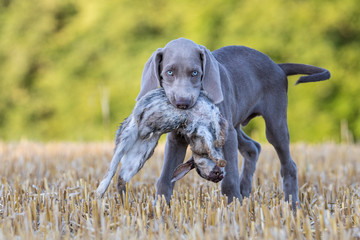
{"x":48,"y":191}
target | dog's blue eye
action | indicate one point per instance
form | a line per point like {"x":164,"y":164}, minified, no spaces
{"x":194,"y":73}
{"x":169,"y":72}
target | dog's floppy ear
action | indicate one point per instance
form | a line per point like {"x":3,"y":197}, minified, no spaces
{"x":151,"y":76}
{"x":183,"y":169}
{"x":211,"y":76}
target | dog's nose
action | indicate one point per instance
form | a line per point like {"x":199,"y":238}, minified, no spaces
{"x":183,"y":103}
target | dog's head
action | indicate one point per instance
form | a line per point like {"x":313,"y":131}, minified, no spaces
{"x":206,"y":168}
{"x":182,"y":68}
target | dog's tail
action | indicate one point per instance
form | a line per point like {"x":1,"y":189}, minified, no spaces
{"x":315,"y":74}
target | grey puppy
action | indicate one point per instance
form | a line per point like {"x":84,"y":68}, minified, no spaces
{"x":244,"y":83}
{"x":153,"y":115}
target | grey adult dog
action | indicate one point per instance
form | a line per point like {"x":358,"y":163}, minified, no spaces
{"x":244,"y":83}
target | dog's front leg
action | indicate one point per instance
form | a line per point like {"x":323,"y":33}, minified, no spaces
{"x":175,"y":150}
{"x":230,"y":185}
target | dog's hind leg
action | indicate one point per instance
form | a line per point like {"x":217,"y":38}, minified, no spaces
{"x":277,"y":134}
{"x":250,"y":151}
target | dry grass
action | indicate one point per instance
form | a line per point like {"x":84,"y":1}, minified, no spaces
{"x":47,"y":191}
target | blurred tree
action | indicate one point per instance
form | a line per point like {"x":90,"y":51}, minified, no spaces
{"x":70,"y":70}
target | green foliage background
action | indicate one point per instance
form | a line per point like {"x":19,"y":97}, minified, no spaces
{"x":70,"y":70}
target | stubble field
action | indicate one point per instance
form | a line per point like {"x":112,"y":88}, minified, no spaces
{"x":47,"y":192}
